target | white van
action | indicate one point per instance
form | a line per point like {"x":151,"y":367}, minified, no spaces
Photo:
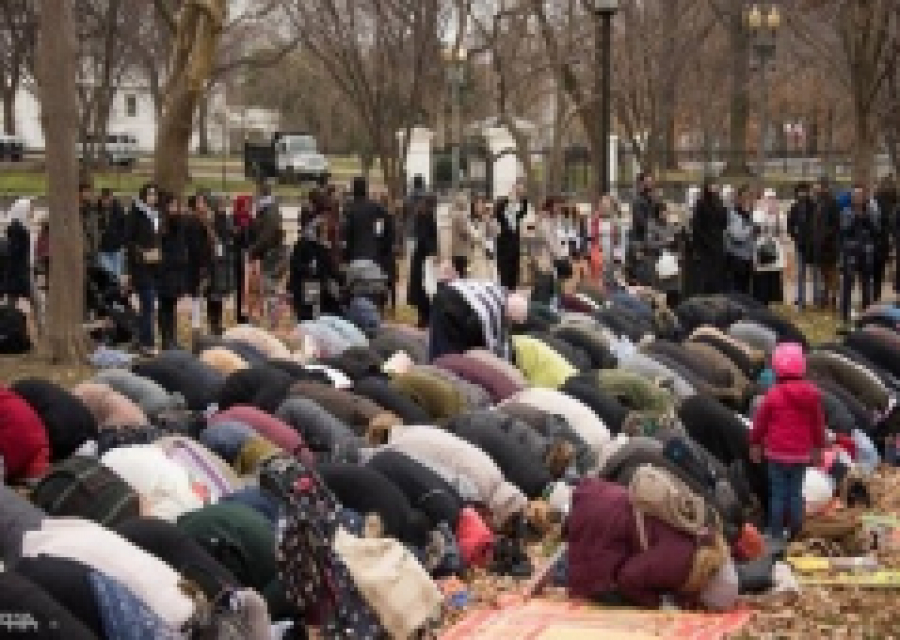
{"x":119,"y":150}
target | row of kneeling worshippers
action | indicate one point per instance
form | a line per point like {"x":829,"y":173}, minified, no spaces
{"x":248,"y":487}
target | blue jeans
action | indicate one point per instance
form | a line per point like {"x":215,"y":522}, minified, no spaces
{"x":785,"y":497}
{"x":112,"y":262}
{"x":146,"y":314}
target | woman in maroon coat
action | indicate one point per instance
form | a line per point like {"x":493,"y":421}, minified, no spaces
{"x":606,"y":558}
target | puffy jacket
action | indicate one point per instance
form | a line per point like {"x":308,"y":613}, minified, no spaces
{"x":66,"y":419}
{"x":180,"y":372}
{"x":790,"y":422}
{"x":748,"y":359}
{"x":591,"y":342}
{"x":635,"y":392}
{"x":443,"y":449}
{"x":24,"y":443}
{"x":880,"y":345}
{"x":356,"y":412}
{"x":260,"y":339}
{"x":853,"y":377}
{"x":553,"y":428}
{"x":542,"y":366}
{"x":437,"y":397}
{"x":148,"y":395}
{"x":605,"y":552}
{"x":495,"y":382}
{"x":426,"y":490}
{"x":740,"y":235}
{"x":608,"y":409}
{"x":109,"y":408}
{"x":475,"y":397}
{"x":324,"y":434}
{"x":365,"y":490}
{"x":264,"y":424}
{"x":509,"y":446}
{"x":589,"y":427}
{"x":390,"y":340}
{"x":495,"y":362}
{"x":386,"y":395}
{"x":652,"y":369}
{"x":263,"y":387}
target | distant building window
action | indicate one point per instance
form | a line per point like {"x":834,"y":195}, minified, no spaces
{"x":131,"y":105}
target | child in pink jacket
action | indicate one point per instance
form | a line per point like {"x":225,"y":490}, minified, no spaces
{"x":789,"y":432}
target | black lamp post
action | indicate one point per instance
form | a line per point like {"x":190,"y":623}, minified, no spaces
{"x":603,"y":10}
{"x":763,"y":24}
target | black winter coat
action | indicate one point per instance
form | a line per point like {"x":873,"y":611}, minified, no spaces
{"x":172,"y":278}
{"x":325,"y":435}
{"x":426,"y":491}
{"x":200,"y":254}
{"x":17,"y":279}
{"x":509,"y":448}
{"x":590,"y":342}
{"x":606,"y":407}
{"x":368,"y":233}
{"x":553,"y":427}
{"x":825,"y":233}
{"x":264,"y":387}
{"x":181,"y":372}
{"x":800,"y":225}
{"x":425,"y":234}
{"x":386,"y":396}
{"x":142,"y":238}
{"x":310,"y":264}
{"x":708,"y":235}
{"x":365,"y":490}
{"x":68,"y":421}
{"x":113,"y":227}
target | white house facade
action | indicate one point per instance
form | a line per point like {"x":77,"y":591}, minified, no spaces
{"x":133,"y":113}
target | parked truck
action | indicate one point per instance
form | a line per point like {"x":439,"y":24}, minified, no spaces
{"x":287,"y":157}
{"x":12,"y":148}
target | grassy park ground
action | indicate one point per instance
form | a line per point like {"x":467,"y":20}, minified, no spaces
{"x":29,"y":178}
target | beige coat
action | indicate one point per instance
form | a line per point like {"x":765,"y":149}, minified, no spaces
{"x":109,"y":408}
{"x":461,"y":234}
{"x":484,"y":232}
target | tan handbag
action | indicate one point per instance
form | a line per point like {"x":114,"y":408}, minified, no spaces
{"x":391,"y":580}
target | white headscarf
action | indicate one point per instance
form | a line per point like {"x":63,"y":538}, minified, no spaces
{"x":19,"y":210}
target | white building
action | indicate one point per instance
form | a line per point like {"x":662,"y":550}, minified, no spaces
{"x":133,"y":113}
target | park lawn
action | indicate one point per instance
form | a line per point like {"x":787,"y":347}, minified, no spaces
{"x":22,"y":183}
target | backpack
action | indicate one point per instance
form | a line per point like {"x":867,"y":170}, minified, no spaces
{"x":14,"y":338}
{"x":82,"y":487}
{"x":656,"y":492}
{"x":315,"y":578}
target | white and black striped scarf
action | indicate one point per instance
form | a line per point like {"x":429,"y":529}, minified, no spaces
{"x":488,"y":301}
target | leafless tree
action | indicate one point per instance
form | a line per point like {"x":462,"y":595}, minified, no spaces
{"x":382,"y":56}
{"x":57,"y":64}
{"x":18,"y":30}
{"x":198,"y":29}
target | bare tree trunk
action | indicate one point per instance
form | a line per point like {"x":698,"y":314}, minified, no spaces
{"x":65,"y":339}
{"x":199,"y":28}
{"x":203,"y":125}
{"x":740,"y":95}
{"x":668,"y":93}
{"x":9,"y":112}
{"x":866,"y":146}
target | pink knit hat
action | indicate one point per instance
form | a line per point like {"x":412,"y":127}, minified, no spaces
{"x":788,"y":361}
